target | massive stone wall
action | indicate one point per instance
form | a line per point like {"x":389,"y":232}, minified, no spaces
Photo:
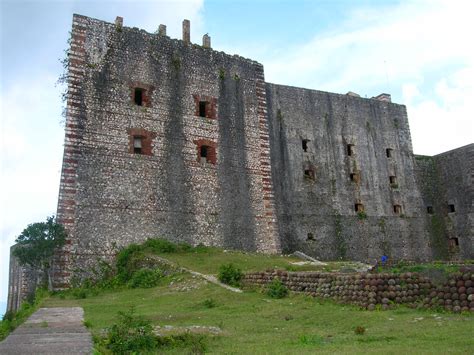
{"x":141,"y":107}
{"x":331,"y":152}
{"x":446,"y":182}
{"x":165,"y":138}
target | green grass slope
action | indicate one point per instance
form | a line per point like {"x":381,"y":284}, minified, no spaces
{"x":253,"y":323}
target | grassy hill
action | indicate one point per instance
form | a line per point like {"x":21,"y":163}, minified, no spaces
{"x":251,"y":322}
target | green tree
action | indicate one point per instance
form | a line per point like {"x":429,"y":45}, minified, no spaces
{"x":36,"y":245}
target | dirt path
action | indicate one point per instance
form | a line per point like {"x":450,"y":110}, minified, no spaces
{"x":50,"y":331}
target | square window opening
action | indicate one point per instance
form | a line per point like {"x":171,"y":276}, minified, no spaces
{"x":304,"y":144}
{"x":389,"y":152}
{"x":451,"y":208}
{"x":310,"y":236}
{"x":397,"y":209}
{"x":204,"y":151}
{"x":393,"y":180}
{"x":137,"y":144}
{"x":202,"y":108}
{"x":350,"y":150}
{"x":354,"y":177}
{"x":453,"y":243}
{"x":138,"y":96}
{"x":429,"y":209}
{"x":309,"y":174}
{"x":359,"y":207}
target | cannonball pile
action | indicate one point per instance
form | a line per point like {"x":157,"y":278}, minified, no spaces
{"x":456,"y":295}
{"x":365,"y":290}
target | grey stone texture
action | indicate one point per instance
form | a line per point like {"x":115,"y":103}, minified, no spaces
{"x":317,"y":214}
{"x":166,"y":138}
{"x":111,"y":197}
{"x":446,"y":182}
{"x":50,"y":331}
{"x":21,"y":284}
{"x":453,"y":293}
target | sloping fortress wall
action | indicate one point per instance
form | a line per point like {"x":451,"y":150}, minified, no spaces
{"x":343,"y":172}
{"x":165,"y":138}
{"x":447,"y":184}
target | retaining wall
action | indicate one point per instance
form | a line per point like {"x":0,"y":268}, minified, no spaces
{"x":369,"y":290}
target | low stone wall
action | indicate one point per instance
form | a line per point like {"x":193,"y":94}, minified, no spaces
{"x":22,"y":283}
{"x":369,"y":290}
{"x":456,"y":295}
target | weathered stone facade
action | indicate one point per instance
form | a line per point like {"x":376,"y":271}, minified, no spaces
{"x":359,"y":155}
{"x":165,"y":138}
{"x":223,"y":158}
{"x":447,"y":185}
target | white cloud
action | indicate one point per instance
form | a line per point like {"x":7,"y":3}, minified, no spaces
{"x":449,"y":111}
{"x":417,"y":51}
{"x":31,"y":150}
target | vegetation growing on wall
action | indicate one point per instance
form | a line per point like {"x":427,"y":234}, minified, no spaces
{"x":340,"y":242}
{"x":36,"y":246}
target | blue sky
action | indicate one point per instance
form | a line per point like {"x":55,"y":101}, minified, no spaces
{"x":421,"y":52}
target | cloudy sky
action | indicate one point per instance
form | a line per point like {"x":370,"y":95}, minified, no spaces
{"x":420,"y":52}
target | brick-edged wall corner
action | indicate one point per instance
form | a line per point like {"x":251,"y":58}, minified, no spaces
{"x":270,"y":241}
{"x":72,"y":153}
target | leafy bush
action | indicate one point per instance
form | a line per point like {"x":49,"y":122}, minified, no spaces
{"x":145,"y":278}
{"x":209,"y":303}
{"x":160,"y":246}
{"x":276,"y":289}
{"x":36,"y":245}
{"x":359,"y":330}
{"x":131,"y":334}
{"x":128,"y":261}
{"x":194,"y":342}
{"x":230,"y":275}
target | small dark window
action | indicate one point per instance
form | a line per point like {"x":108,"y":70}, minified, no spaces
{"x":137,"y":144}
{"x":304,"y":143}
{"x":451,"y":208}
{"x":359,"y":207}
{"x":138,"y":96}
{"x":309,"y":174}
{"x":202,"y":108}
{"x":453,"y":244}
{"x":310,"y":236}
{"x":204,"y":151}
{"x":429,"y":209}
{"x":389,"y":152}
{"x":393,"y":180}
{"x":350,"y":150}
{"x":397,"y":209}
{"x":355,"y":177}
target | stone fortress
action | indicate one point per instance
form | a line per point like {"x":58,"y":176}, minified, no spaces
{"x":166,"y":138}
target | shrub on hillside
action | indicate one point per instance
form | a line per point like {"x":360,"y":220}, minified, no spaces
{"x":145,"y":278}
{"x":131,"y":334}
{"x":230,"y":275}
{"x":160,"y":246}
{"x":276,"y":289}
